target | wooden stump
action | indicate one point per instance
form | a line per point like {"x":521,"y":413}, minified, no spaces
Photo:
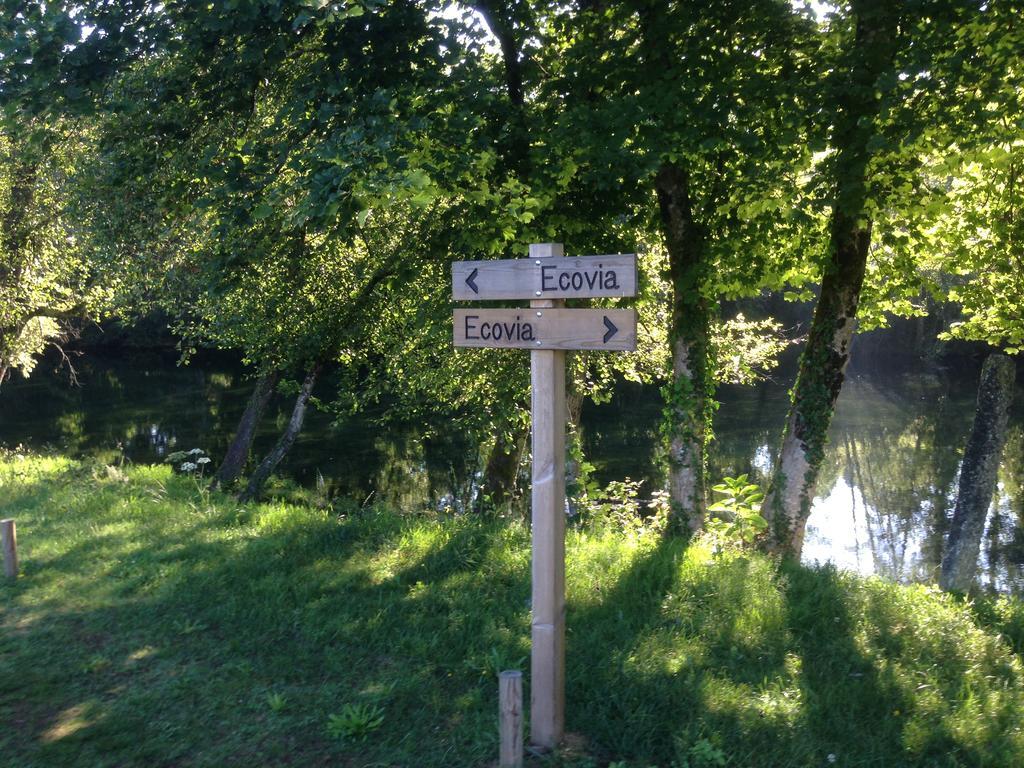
{"x":510,"y":718}
{"x":9,"y":541}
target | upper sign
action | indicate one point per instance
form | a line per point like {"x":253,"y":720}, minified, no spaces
{"x":581,"y":277}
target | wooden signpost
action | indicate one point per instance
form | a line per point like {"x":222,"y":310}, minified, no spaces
{"x":547,"y":328}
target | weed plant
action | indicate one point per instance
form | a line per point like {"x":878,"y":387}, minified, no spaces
{"x":154,"y":624}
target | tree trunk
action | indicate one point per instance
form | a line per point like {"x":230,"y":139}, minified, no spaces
{"x":502,"y":469}
{"x":823,"y":363}
{"x":574,"y":454}
{"x":287,"y":439}
{"x":820,"y":378}
{"x":978,"y":474}
{"x":238,"y":452}
{"x":688,"y":398}
{"x":500,"y":18}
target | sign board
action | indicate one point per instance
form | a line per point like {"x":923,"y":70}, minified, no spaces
{"x":547,"y":278}
{"x":546,"y":328}
{"x":597,"y":329}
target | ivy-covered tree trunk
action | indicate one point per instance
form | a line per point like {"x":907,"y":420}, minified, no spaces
{"x":978,"y":474}
{"x":820,"y":378}
{"x":287,"y":439}
{"x":574,"y":444}
{"x":688,"y":397}
{"x":787,"y":505}
{"x":238,"y":452}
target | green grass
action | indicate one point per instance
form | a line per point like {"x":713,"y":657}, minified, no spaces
{"x":153,"y":625}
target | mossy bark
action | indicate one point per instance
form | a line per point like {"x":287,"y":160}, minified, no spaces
{"x":787,"y":505}
{"x":237,"y":455}
{"x":978,"y":474}
{"x":688,"y":397}
{"x":574,"y":442}
{"x":820,"y":378}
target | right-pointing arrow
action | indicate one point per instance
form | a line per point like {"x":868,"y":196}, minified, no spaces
{"x":471,"y":280}
{"x":612,"y":330}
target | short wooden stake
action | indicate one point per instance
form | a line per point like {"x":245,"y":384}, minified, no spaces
{"x":510,"y":718}
{"x":10,"y":546}
{"x":547,"y":660}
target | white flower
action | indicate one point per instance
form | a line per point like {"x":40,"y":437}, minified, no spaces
{"x":203,"y":460}
{"x":195,"y":451}
{"x":831,"y":758}
{"x":188,"y":466}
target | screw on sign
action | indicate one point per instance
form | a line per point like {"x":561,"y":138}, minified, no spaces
{"x":546,"y":328}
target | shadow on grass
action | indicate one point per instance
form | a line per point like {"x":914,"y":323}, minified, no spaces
{"x":178,"y":634}
{"x":166,"y":641}
{"x":641,"y":660}
{"x":850,"y":708}
{"x":780,"y":667}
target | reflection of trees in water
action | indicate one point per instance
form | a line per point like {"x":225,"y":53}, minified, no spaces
{"x":747,"y":429}
{"x":1003,"y":551}
{"x":895,"y":445}
{"x":904,"y":497}
{"x":622,"y":438}
{"x":904,"y":467}
{"x":895,"y":448}
{"x":441,"y":471}
{"x":138,"y":407}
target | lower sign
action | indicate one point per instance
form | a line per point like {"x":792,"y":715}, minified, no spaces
{"x":601,"y":329}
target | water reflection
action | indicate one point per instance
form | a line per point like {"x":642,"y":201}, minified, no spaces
{"x":888,"y":484}
{"x":894,"y":454}
{"x":886,"y":490}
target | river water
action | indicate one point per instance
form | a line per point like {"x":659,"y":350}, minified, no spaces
{"x":886,"y":491}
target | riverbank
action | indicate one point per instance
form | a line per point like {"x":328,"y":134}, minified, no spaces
{"x":154,"y":624}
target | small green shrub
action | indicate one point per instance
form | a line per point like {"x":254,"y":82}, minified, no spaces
{"x":499,"y":660}
{"x":189,"y":462}
{"x":276,"y":702}
{"x":704,"y":754}
{"x":618,"y":507}
{"x":355,"y":721}
{"x":738,"y":518}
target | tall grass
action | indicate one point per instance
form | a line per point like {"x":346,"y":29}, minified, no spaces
{"x":156,"y":625}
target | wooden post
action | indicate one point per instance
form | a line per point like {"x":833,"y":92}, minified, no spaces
{"x":510,"y":718}
{"x":10,"y":546}
{"x":547,"y":329}
{"x":547,"y":663}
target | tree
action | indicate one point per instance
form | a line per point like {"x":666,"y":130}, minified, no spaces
{"x":699,"y":127}
{"x":287,"y":173}
{"x":46,"y":282}
{"x":907,"y":82}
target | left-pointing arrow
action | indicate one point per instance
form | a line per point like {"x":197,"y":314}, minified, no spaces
{"x":612,"y":330}
{"x":471,"y":280}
